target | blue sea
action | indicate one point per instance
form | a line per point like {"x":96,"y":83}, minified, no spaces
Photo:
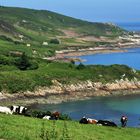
{"x":133,"y":26}
{"x":130,"y":58}
{"x":108,"y":108}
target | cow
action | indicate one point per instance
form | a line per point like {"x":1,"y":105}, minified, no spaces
{"x":106,"y":123}
{"x":83,"y":120}
{"x":5,"y":110}
{"x":18,"y":109}
{"x":14,"y":108}
{"x":22,"y":109}
{"x":47,"y":117}
{"x":55,"y":116}
{"x":92,"y":121}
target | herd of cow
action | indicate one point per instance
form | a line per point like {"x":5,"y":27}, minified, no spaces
{"x":21,"y":110}
{"x":56,"y":115}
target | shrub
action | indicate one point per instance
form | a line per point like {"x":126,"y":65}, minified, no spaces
{"x":23,"y":62}
{"x":37,"y":114}
{"x":64,"y":117}
{"x":33,"y":65}
{"x":3,"y":37}
{"x":50,"y":53}
{"x":81,"y":66}
{"x":5,"y":60}
{"x":55,"y":41}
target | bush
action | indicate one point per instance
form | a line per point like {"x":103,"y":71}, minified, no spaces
{"x":41,"y":114}
{"x":55,"y":41}
{"x":64,"y":117}
{"x":81,"y":66}
{"x":5,"y":60}
{"x":15,"y":83}
{"x":33,"y":65}
{"x":37,"y":114}
{"x":5,"y":38}
{"x":23,"y":63}
{"x":50,"y":53}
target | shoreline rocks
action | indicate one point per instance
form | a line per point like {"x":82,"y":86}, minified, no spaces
{"x":59,"y":93}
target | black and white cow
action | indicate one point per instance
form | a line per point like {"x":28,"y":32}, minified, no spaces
{"x":18,"y":109}
{"x":6,"y":110}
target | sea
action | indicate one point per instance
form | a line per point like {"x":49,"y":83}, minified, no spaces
{"x":106,"y":108}
{"x":130,"y":26}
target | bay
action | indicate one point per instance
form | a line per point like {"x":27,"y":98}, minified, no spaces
{"x":130,"y":58}
{"x":106,"y":108}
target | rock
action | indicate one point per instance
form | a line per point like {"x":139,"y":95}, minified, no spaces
{"x":89,"y":84}
{"x":45,"y":44}
{"x":28,"y":45}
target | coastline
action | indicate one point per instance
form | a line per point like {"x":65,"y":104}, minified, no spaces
{"x":66,"y":93}
{"x":68,"y":55}
{"x":59,"y":93}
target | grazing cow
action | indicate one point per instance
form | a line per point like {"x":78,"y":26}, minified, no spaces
{"x":5,"y":110}
{"x":14,"y":108}
{"x":22,"y":110}
{"x":47,"y":117}
{"x":83,"y":120}
{"x":55,"y":116}
{"x":91,"y":121}
{"x":106,"y":123}
{"x":18,"y":109}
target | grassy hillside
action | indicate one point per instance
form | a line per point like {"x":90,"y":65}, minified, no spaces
{"x":36,"y":129}
{"x":19,"y":27}
{"x":50,"y":23}
{"x":23,"y":31}
{"x":23,"y":73}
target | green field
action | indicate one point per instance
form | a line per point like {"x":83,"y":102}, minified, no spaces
{"x":18,"y":74}
{"x":25,"y":128}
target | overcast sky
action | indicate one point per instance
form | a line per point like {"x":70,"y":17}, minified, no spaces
{"x":92,"y":10}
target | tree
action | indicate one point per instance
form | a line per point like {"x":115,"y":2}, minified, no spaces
{"x":23,"y":62}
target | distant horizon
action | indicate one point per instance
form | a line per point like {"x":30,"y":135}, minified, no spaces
{"x":116,"y":11}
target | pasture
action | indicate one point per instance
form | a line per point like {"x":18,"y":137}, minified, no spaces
{"x":24,"y":128}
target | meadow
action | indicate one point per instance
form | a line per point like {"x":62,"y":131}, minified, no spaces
{"x":13,"y":127}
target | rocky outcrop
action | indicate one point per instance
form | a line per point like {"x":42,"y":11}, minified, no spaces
{"x":122,"y":84}
{"x":58,"y":88}
{"x":59,"y":92}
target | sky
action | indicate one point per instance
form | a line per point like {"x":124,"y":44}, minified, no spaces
{"x":91,"y":10}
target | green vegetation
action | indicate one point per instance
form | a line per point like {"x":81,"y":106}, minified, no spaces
{"x":37,"y":129}
{"x":23,"y":73}
{"x":26,"y":37}
{"x":20,"y":26}
{"x":41,"y":114}
{"x":55,"y":41}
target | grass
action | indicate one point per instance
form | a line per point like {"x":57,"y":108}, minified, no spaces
{"x":21,"y":26}
{"x":25,"y":128}
{"x":14,"y":80}
{"x":38,"y":26}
